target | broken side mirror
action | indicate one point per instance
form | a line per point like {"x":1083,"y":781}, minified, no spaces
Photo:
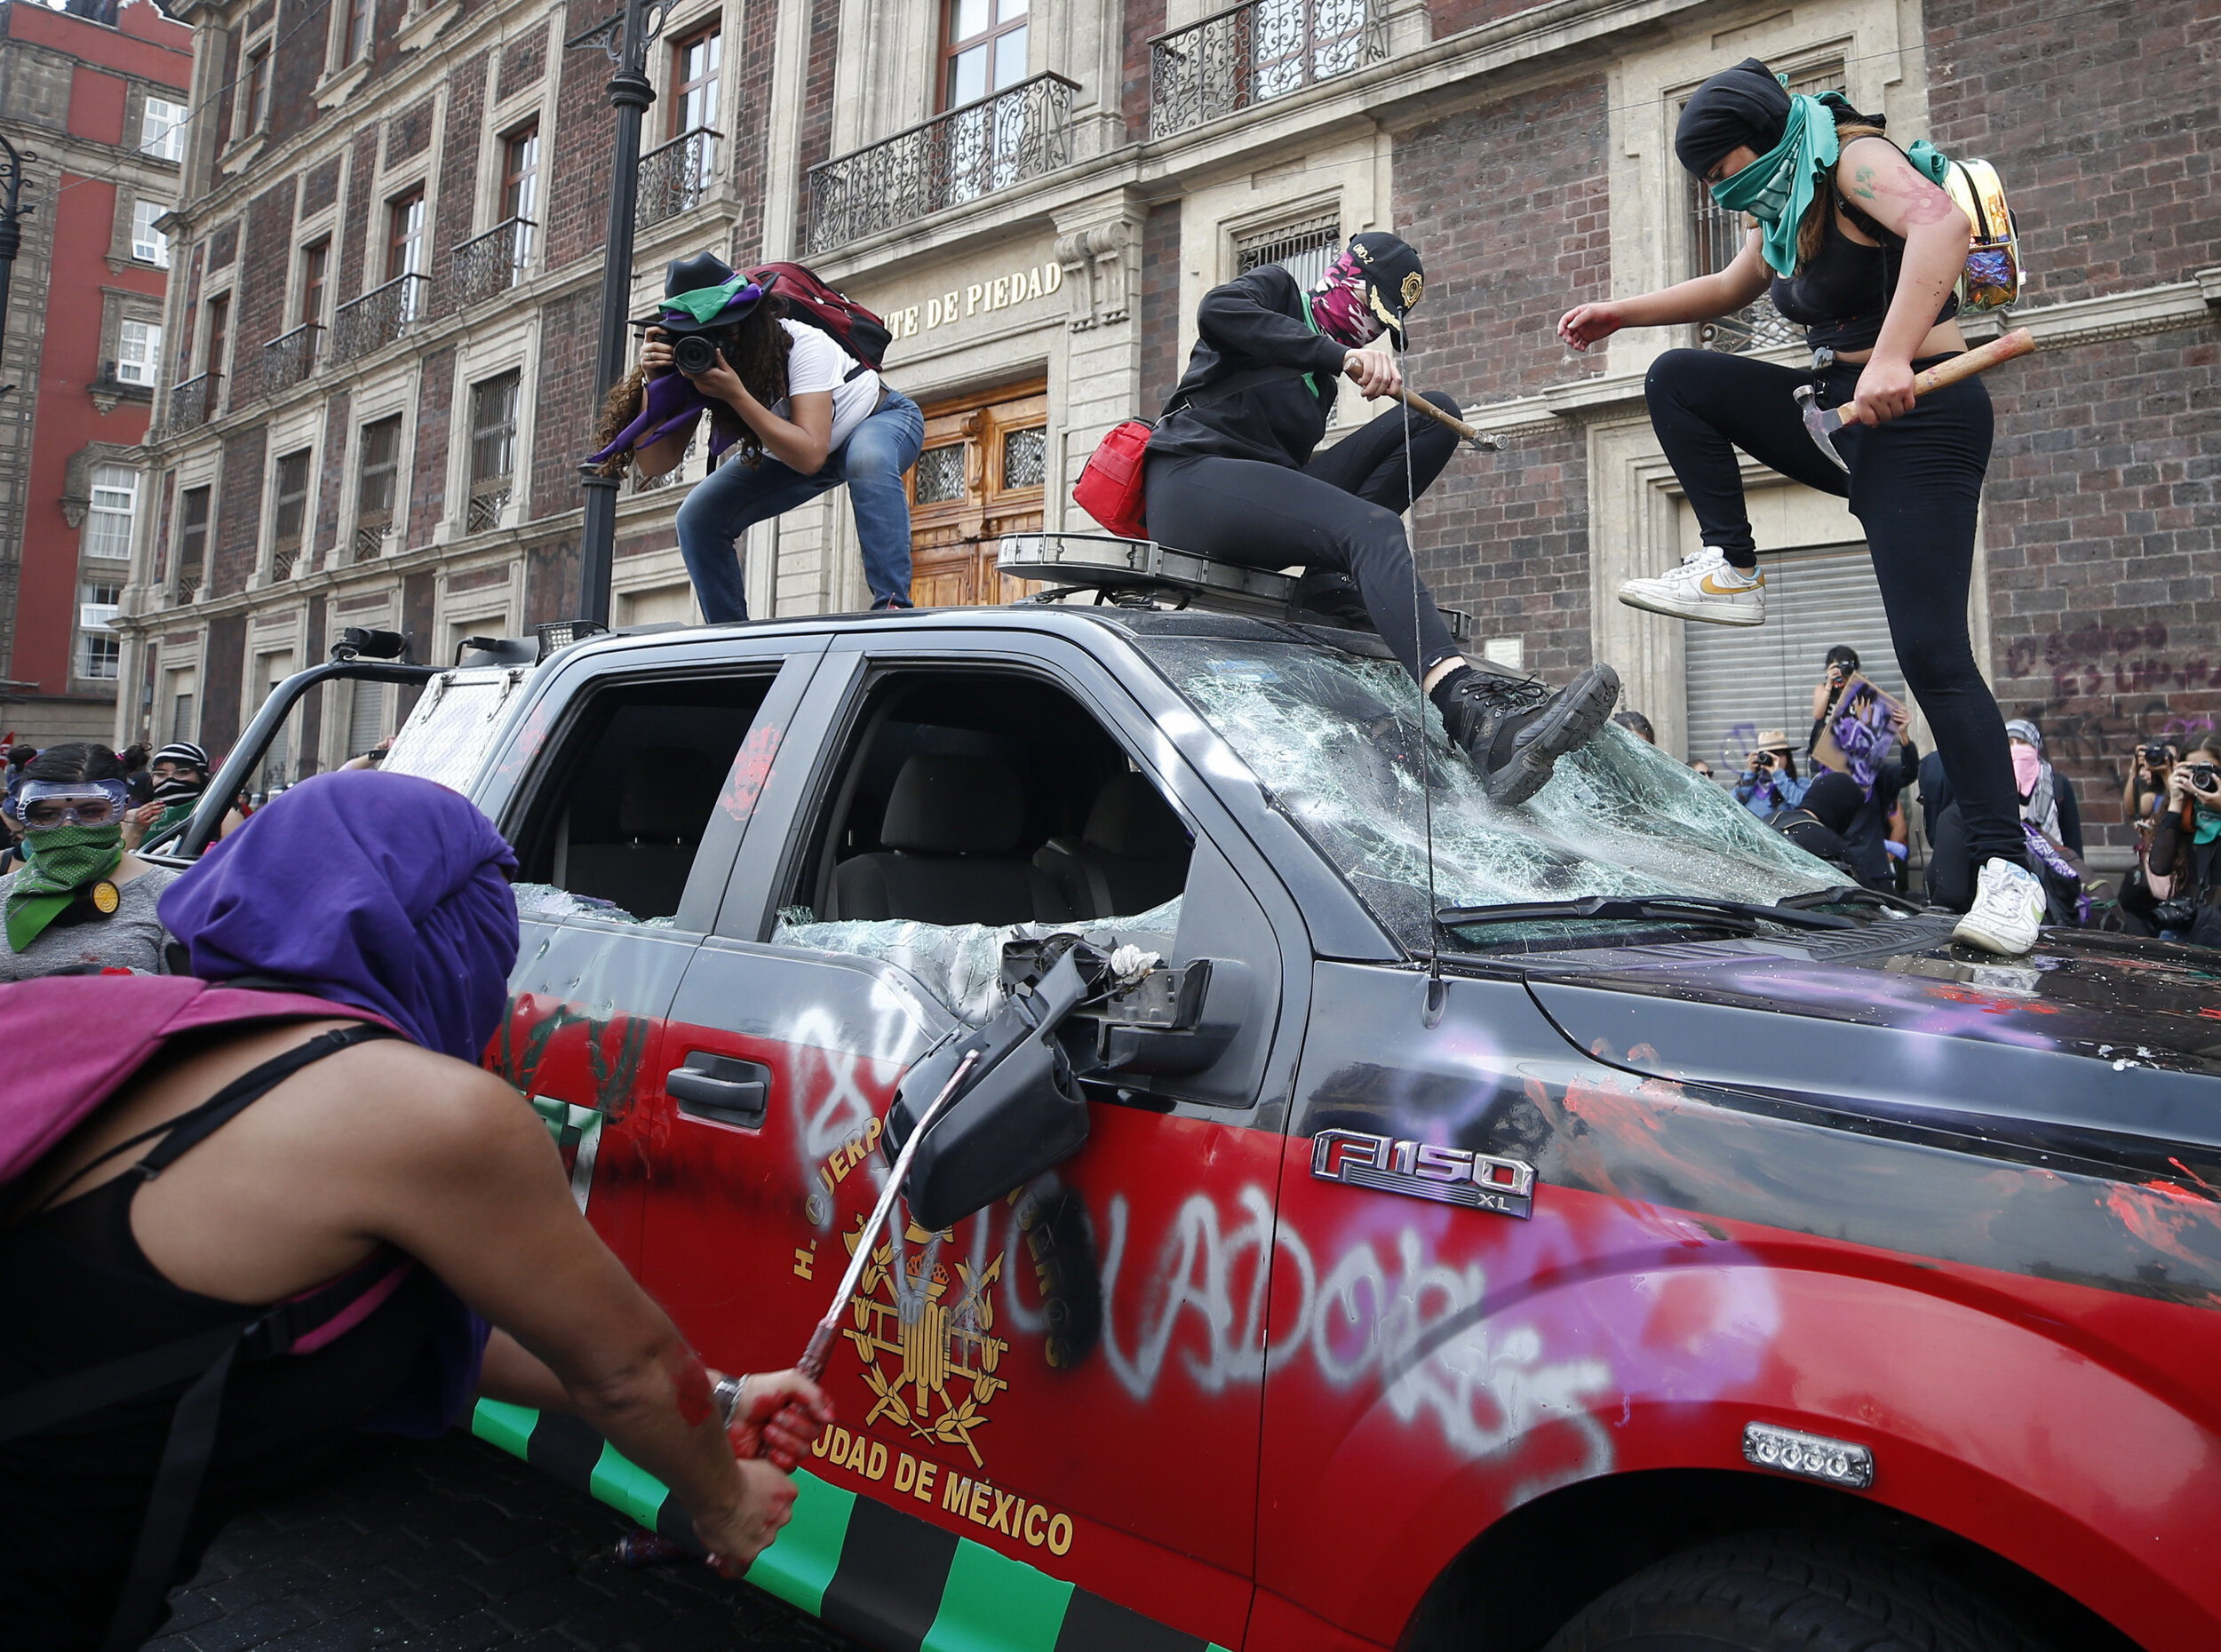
{"x":1172,"y":1022}
{"x":1022,"y":1114}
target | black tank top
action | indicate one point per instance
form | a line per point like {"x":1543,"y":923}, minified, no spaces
{"x":1841,"y":296}
{"x":76,"y":1291}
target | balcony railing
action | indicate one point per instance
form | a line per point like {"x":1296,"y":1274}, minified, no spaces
{"x":1020,"y":132}
{"x":676,"y":178}
{"x":494,"y":262}
{"x":289,"y":358}
{"x":1248,"y":54}
{"x":370,"y":539}
{"x":193,"y":403}
{"x":379,"y":317}
{"x":484,"y":510}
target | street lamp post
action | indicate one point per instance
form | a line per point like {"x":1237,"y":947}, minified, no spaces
{"x":626,"y":38}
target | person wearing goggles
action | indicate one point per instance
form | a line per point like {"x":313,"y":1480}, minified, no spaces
{"x":80,"y":899}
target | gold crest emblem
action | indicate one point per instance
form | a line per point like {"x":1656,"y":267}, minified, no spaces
{"x":1413,"y":286}
{"x":104,"y":899}
{"x":939,"y":1330}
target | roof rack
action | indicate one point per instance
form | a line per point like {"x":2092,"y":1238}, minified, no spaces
{"x":1141,"y":574}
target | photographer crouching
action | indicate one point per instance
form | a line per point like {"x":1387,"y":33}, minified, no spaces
{"x":806,"y":415}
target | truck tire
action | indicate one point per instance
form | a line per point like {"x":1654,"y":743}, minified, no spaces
{"x":1789,"y":1593}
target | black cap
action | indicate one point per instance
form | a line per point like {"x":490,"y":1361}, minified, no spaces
{"x":1394,"y":276}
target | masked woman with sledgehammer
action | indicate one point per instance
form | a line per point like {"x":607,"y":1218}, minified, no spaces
{"x":1858,"y":246}
{"x":1233,"y":470}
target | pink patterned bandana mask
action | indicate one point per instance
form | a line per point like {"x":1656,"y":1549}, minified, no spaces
{"x":1341,"y":304}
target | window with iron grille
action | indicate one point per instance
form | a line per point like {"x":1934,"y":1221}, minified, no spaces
{"x":1303,"y":249}
{"x":1716,"y":236}
{"x":493,"y":448}
{"x":1024,"y":457}
{"x":377,"y":486}
{"x":941,"y":475}
{"x":192,"y":538}
{"x":292,"y":514}
{"x":107,"y":519}
{"x":181,"y":722}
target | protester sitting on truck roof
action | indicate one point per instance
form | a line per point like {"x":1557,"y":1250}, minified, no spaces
{"x":80,"y":900}
{"x":1234,"y":472}
{"x":181,"y":772}
{"x":308,"y":1155}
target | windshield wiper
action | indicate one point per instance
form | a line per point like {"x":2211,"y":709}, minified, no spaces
{"x":1853,"y":894}
{"x":1616,"y":908}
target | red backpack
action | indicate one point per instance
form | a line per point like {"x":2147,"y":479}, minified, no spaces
{"x":849,"y":324}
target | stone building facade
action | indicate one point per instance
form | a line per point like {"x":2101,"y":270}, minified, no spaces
{"x":1036,"y":196}
{"x":96,"y":105}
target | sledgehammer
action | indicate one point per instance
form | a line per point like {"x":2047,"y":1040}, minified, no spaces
{"x":1821,"y":424}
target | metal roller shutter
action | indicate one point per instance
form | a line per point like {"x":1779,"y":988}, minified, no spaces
{"x":1742,"y":679}
{"x":366,"y":717}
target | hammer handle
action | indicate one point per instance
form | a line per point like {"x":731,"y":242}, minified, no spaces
{"x":2020,"y":341}
{"x":1417,"y":403}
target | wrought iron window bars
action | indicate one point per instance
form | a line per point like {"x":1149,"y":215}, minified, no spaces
{"x":489,"y":264}
{"x":676,"y":178}
{"x":379,"y":317}
{"x":193,"y":403}
{"x":1257,"y":51}
{"x":1021,"y":132}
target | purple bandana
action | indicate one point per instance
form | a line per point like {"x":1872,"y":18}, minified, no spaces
{"x":382,"y":891}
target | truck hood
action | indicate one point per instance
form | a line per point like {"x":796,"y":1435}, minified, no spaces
{"x":2089,"y":1039}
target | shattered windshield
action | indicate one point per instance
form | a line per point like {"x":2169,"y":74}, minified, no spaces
{"x":1330,"y":735}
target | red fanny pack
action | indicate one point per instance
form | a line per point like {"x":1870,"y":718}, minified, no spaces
{"x":1109,"y":488}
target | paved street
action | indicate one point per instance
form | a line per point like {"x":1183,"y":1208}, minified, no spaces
{"x":445,"y":1545}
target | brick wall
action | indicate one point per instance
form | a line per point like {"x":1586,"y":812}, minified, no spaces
{"x":238,"y":525}
{"x":223,"y":246}
{"x":297,"y":65}
{"x":564,"y":394}
{"x":2102,"y":536}
{"x":408,"y":134}
{"x":355,"y":233}
{"x":1453,"y":17}
{"x":815,"y":130}
{"x":523,"y":62}
{"x":321,"y":187}
{"x":751,"y":69}
{"x":1512,"y":232}
{"x":427,"y":495}
{"x":458,"y":168}
{"x":1144,"y":18}
{"x":259,"y":312}
{"x":334,"y":456}
{"x":1160,"y":304}
{"x":579,"y":194}
{"x":221,"y":664}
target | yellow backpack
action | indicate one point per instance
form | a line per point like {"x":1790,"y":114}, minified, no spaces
{"x":1991,"y":280}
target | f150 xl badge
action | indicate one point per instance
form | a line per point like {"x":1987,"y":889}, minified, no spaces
{"x":1424,"y":1171}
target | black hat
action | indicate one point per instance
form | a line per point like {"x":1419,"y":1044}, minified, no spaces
{"x":704,"y":272}
{"x":1394,"y":276}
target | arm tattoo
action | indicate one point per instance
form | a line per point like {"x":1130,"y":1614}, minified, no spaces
{"x":1862,"y":184}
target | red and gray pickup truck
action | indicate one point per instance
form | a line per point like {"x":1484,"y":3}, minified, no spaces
{"x":1582,"y":1226}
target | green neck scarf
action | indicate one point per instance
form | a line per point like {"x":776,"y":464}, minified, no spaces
{"x":57,"y":865}
{"x":2207,"y":826}
{"x":1778,"y":187}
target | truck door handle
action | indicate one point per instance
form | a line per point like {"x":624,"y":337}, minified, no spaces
{"x":721,"y":1089}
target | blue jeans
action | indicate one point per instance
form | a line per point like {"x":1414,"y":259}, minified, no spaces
{"x":735,"y":495}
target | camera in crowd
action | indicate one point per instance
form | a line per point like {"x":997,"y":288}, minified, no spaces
{"x":694,"y":353}
{"x":2205,"y":777}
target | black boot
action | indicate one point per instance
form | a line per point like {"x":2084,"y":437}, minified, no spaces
{"x":1515,"y":730}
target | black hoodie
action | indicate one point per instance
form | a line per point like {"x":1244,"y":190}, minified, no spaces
{"x":1254,"y":323}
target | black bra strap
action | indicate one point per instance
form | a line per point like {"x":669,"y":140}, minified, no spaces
{"x":191,"y":1128}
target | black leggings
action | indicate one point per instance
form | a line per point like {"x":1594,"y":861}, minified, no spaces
{"x":1914,"y":485}
{"x":1341,"y":512}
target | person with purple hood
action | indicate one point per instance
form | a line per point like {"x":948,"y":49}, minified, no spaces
{"x":361,"y":1158}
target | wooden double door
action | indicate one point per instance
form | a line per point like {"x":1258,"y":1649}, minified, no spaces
{"x":983,"y":472}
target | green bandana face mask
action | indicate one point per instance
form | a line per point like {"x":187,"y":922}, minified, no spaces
{"x":2207,"y":826}
{"x":1778,"y":187}
{"x":57,"y":865}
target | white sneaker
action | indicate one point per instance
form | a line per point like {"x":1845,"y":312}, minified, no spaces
{"x":2008,"y":909}
{"x":1706,"y":586}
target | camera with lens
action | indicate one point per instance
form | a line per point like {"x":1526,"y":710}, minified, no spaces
{"x":2205,"y":776}
{"x":696,"y":353}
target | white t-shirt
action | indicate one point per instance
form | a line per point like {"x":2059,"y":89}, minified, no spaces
{"x":815,"y":362}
